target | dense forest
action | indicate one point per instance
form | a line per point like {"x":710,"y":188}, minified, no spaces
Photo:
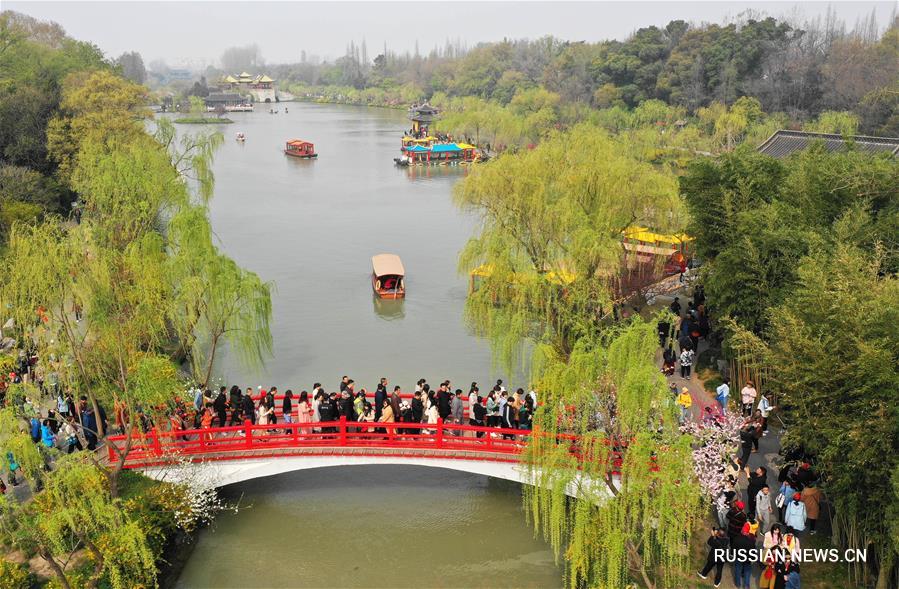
{"x":800,"y":69}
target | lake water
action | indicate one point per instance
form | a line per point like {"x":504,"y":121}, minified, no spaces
{"x":311,"y":227}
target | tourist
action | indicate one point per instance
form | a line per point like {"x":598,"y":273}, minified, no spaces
{"x":35,"y":424}
{"x":743,"y":545}
{"x":757,"y":480}
{"x":685,"y":401}
{"x":325,"y":414}
{"x":344,"y":382}
{"x":675,"y":306}
{"x":795,"y":513}
{"x":506,"y":418}
{"x":722,"y":393}
{"x":395,"y":401}
{"x":811,"y":498}
{"x":747,"y":434}
{"x":786,"y":573}
{"x":783,"y":498}
{"x":736,"y":517}
{"x":386,"y":414}
{"x":417,"y":406}
{"x":765,"y":408}
{"x":380,"y":395}
{"x":717,"y":543}
{"x":686,"y":363}
{"x":773,"y":538}
{"x":764,"y":510}
{"x":207,"y":416}
{"x":747,"y":396}
{"x":492,"y":410}
{"x":48,"y":438}
{"x":270,"y":405}
{"x":287,"y":408}
{"x":246,"y":407}
{"x":219,"y":405}
{"x":478,"y":415}
{"x":367,"y":416}
{"x":443,"y":402}
{"x":263,"y":413}
{"x":457,"y":407}
{"x":89,"y":424}
{"x":432,"y":414}
{"x":790,"y":542}
{"x":304,"y":410}
{"x":669,"y":360}
{"x":525,"y":414}
{"x":70,"y":435}
{"x":664,"y":330}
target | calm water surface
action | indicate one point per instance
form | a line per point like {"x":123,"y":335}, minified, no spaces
{"x":311,"y":227}
{"x":372,"y":526}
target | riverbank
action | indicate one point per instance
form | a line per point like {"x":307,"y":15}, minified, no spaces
{"x":203,"y":121}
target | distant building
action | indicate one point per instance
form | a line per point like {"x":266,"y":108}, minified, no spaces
{"x":784,"y":143}
{"x":230,"y":101}
{"x":260,"y":87}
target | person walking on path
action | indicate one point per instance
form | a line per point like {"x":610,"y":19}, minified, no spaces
{"x":718,"y":543}
{"x":684,"y":401}
{"x":757,"y":480}
{"x":795,"y":514}
{"x":686,"y":363}
{"x":747,"y":396}
{"x":722,"y":394}
{"x":811,"y":498}
{"x":765,"y":408}
{"x":743,"y":545}
{"x":764,"y":510}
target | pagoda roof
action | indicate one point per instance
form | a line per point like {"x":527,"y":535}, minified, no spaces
{"x":264,"y":78}
{"x":230,"y":79}
{"x":244,"y":75}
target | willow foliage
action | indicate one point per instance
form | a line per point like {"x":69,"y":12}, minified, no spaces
{"x":549,"y":248}
{"x":636,"y":496}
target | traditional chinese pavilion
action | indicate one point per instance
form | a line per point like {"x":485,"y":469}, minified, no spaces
{"x":422,"y":116}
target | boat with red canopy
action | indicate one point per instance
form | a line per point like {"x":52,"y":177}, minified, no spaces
{"x":388,"y":276}
{"x":300,"y":148}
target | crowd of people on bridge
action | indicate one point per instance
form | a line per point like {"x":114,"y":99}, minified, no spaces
{"x":233,"y":406}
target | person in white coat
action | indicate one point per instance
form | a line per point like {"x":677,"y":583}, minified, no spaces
{"x":794,"y":516}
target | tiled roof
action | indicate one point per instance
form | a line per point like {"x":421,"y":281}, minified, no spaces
{"x":784,"y":143}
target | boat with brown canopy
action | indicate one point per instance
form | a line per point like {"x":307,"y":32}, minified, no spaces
{"x":388,"y":276}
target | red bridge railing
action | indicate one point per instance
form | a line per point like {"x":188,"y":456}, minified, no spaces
{"x":247,"y":440}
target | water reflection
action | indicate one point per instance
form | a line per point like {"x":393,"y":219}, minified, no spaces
{"x":426,"y":172}
{"x":389,"y":309}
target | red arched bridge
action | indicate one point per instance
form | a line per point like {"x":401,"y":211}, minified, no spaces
{"x":239,"y":453}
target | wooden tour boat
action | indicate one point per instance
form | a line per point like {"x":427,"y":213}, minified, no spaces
{"x":300,"y":148}
{"x":388,"y":276}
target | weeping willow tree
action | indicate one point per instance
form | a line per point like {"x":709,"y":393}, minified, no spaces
{"x":215,"y":300}
{"x":636,"y":500}
{"x":114,"y":297}
{"x":549,"y":251}
{"x":547,"y":263}
{"x":75,"y":509}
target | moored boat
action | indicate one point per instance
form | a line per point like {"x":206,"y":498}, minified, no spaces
{"x":301,"y":149}
{"x":241,"y":137}
{"x":388,"y":276}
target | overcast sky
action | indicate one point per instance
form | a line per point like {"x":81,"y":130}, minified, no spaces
{"x":196,"y":33}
